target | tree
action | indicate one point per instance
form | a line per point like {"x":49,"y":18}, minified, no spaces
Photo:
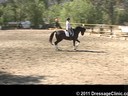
{"x":1,"y":14}
{"x":112,"y":10}
{"x":35,"y":11}
{"x":53,"y":12}
{"x":6,"y":13}
{"x":80,"y":11}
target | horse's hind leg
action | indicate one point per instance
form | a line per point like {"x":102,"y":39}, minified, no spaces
{"x":56,"y":43}
{"x":74,"y":45}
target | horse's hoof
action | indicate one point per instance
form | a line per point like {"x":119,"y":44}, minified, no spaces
{"x":58,"y":50}
{"x":75,"y":48}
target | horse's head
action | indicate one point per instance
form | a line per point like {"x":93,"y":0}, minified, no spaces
{"x":80,"y":29}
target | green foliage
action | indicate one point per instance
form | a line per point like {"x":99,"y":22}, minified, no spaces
{"x":80,"y":11}
{"x":21,"y":10}
{"x":34,"y":12}
{"x":6,"y":14}
{"x":122,"y":17}
{"x":52,"y":13}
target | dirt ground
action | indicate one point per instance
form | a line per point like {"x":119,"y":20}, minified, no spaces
{"x":26,"y":57}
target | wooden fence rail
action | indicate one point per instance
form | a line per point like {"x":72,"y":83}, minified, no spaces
{"x":104,"y":29}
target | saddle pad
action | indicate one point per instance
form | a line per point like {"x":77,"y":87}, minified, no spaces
{"x":66,"y":33}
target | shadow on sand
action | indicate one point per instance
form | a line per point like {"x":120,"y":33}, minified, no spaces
{"x":10,"y":79}
{"x":91,"y":51}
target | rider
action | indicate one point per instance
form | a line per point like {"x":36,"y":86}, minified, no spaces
{"x":57,"y":24}
{"x":68,"y":27}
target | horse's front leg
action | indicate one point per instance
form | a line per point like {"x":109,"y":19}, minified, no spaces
{"x":75,"y":45}
{"x":78,"y":42}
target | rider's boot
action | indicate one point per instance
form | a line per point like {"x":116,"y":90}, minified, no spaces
{"x":70,"y":35}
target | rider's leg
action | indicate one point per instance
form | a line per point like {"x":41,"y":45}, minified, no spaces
{"x":72,"y":32}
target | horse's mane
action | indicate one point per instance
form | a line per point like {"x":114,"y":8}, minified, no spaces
{"x":79,"y":27}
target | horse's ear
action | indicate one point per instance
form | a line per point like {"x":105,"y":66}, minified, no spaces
{"x":83,"y":25}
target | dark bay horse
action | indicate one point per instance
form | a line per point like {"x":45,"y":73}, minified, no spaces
{"x":60,"y":35}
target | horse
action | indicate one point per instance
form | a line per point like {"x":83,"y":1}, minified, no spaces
{"x":60,"y":35}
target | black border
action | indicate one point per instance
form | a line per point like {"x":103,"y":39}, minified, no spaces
{"x":59,"y":90}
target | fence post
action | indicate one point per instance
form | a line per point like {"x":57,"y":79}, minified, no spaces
{"x":111,"y":30}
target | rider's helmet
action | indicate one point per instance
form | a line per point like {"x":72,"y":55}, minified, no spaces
{"x":68,"y":18}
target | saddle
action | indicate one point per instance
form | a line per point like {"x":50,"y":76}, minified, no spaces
{"x":68,"y":34}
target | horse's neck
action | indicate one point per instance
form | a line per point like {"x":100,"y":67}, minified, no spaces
{"x":76,"y":32}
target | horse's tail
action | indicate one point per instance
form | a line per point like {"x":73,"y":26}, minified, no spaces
{"x":51,"y":37}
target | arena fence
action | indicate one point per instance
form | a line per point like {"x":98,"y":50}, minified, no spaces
{"x":103,"y":29}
